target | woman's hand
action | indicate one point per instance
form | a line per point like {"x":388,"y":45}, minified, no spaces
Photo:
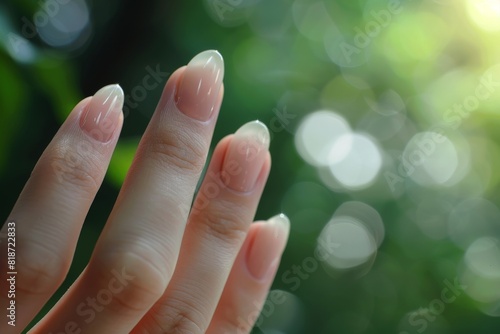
{"x":163,"y":264}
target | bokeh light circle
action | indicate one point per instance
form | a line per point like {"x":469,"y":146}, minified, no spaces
{"x":62,"y":25}
{"x":366,"y":215}
{"x":317,"y":134}
{"x":430,"y":159}
{"x":346,"y":243}
{"x":483,"y":257}
{"x":355,"y":160}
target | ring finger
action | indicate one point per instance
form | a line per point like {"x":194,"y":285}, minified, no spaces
{"x":218,"y":224}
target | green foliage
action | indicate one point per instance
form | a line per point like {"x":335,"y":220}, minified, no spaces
{"x":121,"y":161}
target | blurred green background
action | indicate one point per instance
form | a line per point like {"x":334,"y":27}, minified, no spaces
{"x":384,"y":122}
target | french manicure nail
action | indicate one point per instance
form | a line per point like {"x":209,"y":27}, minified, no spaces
{"x":100,"y":117}
{"x":246,"y":156}
{"x":264,"y":254}
{"x":199,"y":87}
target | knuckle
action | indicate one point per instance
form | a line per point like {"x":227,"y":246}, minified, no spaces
{"x":223,"y":224}
{"x":134,"y":281}
{"x":180,"y":317}
{"x":72,"y":164}
{"x":183,"y":324}
{"x":40,"y":271}
{"x":233,"y":325}
{"x":184,"y":151}
{"x":134,"y":298}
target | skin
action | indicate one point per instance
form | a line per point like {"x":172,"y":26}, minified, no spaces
{"x":161,"y":264}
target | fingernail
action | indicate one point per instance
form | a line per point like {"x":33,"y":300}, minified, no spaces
{"x":100,"y":118}
{"x":198,"y":92}
{"x":265,"y":252}
{"x":246,"y":156}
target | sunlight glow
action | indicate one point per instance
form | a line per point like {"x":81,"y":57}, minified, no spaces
{"x":485,"y":14}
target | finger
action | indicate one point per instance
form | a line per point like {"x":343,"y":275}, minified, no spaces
{"x":137,"y":251}
{"x":251,"y":277}
{"x":222,"y":212}
{"x":50,"y":211}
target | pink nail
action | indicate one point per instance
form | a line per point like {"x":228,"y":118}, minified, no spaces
{"x":246,"y":156}
{"x":264,"y":253}
{"x":199,"y":88}
{"x":100,"y":118}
